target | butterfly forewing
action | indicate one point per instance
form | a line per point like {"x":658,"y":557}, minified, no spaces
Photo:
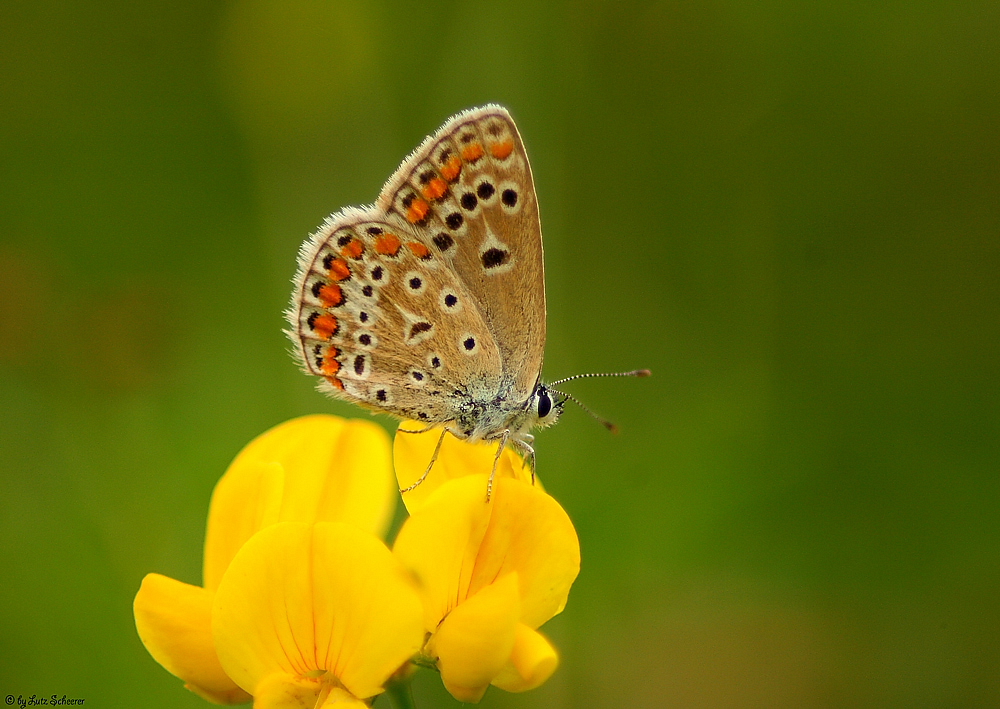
{"x":471,"y":183}
{"x":433,"y":297}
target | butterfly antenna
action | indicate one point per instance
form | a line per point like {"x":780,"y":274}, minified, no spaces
{"x":600,"y":419}
{"x":633,"y":373}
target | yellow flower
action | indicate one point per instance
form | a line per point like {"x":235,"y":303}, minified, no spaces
{"x":490,"y":573}
{"x":411,"y":453}
{"x":315,"y":615}
{"x":310,"y":469}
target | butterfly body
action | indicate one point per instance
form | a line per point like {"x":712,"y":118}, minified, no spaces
{"x":430,"y":303}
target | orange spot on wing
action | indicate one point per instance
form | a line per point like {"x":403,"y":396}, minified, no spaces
{"x":353,"y":249}
{"x":330,"y":364}
{"x":388,"y":244}
{"x":451,"y":169}
{"x":419,"y":250}
{"x":502,"y":150}
{"x":339,"y":270}
{"x":337,"y":384}
{"x":472,"y":152}
{"x":435,"y":188}
{"x":325,"y":326}
{"x":331,"y":295}
{"x":417,"y":210}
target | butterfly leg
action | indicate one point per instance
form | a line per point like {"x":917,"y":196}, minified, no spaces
{"x":496,"y":462}
{"x":437,"y":449}
{"x":524,"y":444}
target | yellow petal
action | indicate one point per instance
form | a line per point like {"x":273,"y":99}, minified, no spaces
{"x":531,"y":534}
{"x":312,"y":468}
{"x":340,"y":478}
{"x":532,"y":662}
{"x":247,"y":498}
{"x":285,"y":691}
{"x":174,"y":621}
{"x":439,"y":543}
{"x":280,"y":690}
{"x":342,"y":700}
{"x":476,"y":639}
{"x":456,"y":544}
{"x":299,"y":599}
{"x":412,"y":453}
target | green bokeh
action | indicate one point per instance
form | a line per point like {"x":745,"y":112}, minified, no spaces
{"x":790,"y":212}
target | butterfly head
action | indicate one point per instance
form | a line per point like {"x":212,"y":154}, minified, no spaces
{"x":546,"y":406}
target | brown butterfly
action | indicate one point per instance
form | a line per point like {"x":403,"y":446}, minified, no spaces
{"x":430,"y":304}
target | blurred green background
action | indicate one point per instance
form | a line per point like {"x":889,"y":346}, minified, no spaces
{"x":789,"y":211}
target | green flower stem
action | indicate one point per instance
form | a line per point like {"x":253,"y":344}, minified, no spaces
{"x":400,"y":696}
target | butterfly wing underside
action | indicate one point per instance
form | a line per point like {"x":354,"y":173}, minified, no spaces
{"x":436,"y":292}
{"x":499,"y":242}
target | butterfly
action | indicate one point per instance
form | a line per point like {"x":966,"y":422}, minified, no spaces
{"x":430,"y":304}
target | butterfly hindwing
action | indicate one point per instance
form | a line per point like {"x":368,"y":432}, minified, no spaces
{"x":383,"y":319}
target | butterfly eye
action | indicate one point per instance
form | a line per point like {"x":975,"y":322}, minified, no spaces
{"x":544,"y":404}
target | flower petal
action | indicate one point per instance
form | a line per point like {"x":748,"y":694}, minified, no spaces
{"x":475,"y":641}
{"x":343,"y":700}
{"x":280,"y":690}
{"x":285,"y":691}
{"x":305,"y":598}
{"x":340,"y":478}
{"x":457,"y":544}
{"x":312,"y":468}
{"x":174,"y":621}
{"x":247,"y":498}
{"x":531,"y":534}
{"x":439,"y":543}
{"x":532,"y":662}
{"x":412,"y":453}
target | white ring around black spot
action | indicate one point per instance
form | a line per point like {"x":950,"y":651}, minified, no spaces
{"x":379,"y":273}
{"x":468,"y":199}
{"x":511,"y":196}
{"x":453,"y":217}
{"x":417,"y":332}
{"x":486,"y":189}
{"x":469,"y":344}
{"x":366,"y":340}
{"x":359,"y":366}
{"x":415,"y":282}
{"x":366,"y":317}
{"x":449,"y":301}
